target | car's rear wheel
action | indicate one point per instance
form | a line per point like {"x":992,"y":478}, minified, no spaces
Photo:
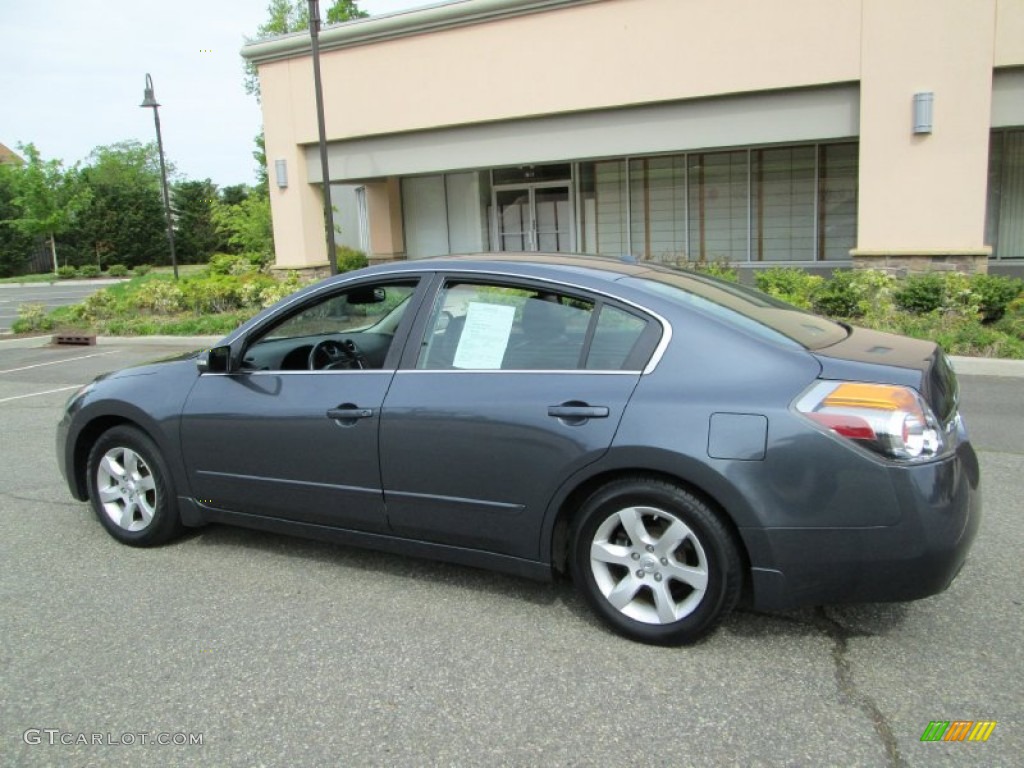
{"x":130,"y":488}
{"x":654,"y":561}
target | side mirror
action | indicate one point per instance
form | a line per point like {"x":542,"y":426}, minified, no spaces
{"x":216,"y":360}
{"x":366,"y":295}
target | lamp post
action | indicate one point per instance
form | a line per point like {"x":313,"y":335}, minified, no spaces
{"x":314,"y":36}
{"x":149,"y":100}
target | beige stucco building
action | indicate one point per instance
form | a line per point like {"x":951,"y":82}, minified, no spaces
{"x":819,"y":133}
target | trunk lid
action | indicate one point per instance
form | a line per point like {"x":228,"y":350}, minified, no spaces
{"x":884,"y":358}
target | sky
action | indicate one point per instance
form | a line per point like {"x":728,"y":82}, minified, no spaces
{"x":72,"y":76}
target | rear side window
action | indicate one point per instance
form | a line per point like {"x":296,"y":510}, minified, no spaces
{"x":615,"y":338}
{"x":478,"y":326}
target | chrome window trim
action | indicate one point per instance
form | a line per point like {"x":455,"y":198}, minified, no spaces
{"x":393,"y":371}
{"x":543,"y":371}
{"x":656,"y":356}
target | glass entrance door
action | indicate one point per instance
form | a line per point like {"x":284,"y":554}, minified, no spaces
{"x":534,"y":217}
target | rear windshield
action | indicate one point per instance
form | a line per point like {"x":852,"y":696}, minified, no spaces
{"x":741,"y":307}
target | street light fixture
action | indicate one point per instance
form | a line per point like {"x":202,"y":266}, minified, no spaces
{"x":149,"y":100}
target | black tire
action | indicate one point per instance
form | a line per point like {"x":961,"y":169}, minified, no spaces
{"x":140,"y":506}
{"x":646,"y":578}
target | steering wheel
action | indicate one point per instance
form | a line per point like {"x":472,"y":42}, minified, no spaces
{"x":331,"y":354}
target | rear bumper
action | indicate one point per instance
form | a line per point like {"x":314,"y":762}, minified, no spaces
{"x":917,"y":557}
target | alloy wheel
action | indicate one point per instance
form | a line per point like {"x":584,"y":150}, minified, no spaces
{"x":649,"y":565}
{"x":127,"y":489}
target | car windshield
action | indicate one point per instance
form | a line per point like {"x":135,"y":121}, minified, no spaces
{"x":751,"y":310}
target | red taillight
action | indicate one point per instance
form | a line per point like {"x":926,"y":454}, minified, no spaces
{"x":847,"y":426}
{"x":890,"y":420}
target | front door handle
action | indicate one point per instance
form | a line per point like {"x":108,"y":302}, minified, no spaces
{"x":574,"y":413}
{"x":348,"y":413}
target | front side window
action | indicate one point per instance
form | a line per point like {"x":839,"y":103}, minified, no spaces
{"x":349,"y":330}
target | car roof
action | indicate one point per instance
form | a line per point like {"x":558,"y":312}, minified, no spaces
{"x":598,"y":267}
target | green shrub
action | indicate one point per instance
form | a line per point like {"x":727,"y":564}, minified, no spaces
{"x":994,"y":294}
{"x":141,"y":269}
{"x":1012,"y":322}
{"x":100,"y":305}
{"x":349,"y":258}
{"x":921,"y":294}
{"x":89,"y":270}
{"x":854,"y":293}
{"x":943,"y":292}
{"x":216,"y":293}
{"x":66,"y":272}
{"x":117,"y":270}
{"x":279,"y":290}
{"x":32,"y":317}
{"x":720,"y":268}
{"x":159,"y":296}
{"x":234,"y":264}
{"x":792,"y":285}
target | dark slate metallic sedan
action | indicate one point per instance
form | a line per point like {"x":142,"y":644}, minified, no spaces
{"x":673,"y":442}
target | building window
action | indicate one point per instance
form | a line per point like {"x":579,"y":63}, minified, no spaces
{"x":769,"y":204}
{"x":446,"y":213}
{"x":468,"y":196}
{"x":782,"y":215}
{"x":604,"y":200}
{"x":762,"y":204}
{"x":658,"y":208}
{"x":837,"y":200}
{"x":718,"y":206}
{"x":424,"y":210}
{"x":1004,"y":221}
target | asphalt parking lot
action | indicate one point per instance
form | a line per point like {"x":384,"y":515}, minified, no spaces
{"x":50,"y":295}
{"x":283,"y":652}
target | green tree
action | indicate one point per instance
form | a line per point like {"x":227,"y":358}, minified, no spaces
{"x":343,"y":10}
{"x":48,"y":198}
{"x":124,"y":221}
{"x":284,"y":16}
{"x":196,"y":238}
{"x":246,"y":226}
{"x":234,"y":194}
{"x":260,"y":156}
{"x":16,"y":247}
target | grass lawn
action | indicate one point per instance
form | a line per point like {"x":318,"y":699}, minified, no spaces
{"x":184,"y":270}
{"x":48,"y":277}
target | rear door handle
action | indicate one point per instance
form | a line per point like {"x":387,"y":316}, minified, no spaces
{"x":578,"y":411}
{"x":348,"y":412}
{"x":575,"y":413}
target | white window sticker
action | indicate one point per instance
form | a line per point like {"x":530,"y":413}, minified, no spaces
{"x":484,"y":336}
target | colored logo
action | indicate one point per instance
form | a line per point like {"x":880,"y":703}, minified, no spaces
{"x":958,"y":730}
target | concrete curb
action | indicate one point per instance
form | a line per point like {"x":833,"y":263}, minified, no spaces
{"x":72,"y":281}
{"x":182,"y":341}
{"x":192,"y":342}
{"x":987,"y":366}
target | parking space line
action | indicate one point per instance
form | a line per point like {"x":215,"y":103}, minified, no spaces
{"x":58,"y":362}
{"x":37,"y":394}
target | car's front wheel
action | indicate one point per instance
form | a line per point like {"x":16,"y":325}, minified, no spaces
{"x":130,"y":488}
{"x":654,"y":561}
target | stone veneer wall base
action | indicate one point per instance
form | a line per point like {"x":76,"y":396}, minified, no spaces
{"x":901,"y":264}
